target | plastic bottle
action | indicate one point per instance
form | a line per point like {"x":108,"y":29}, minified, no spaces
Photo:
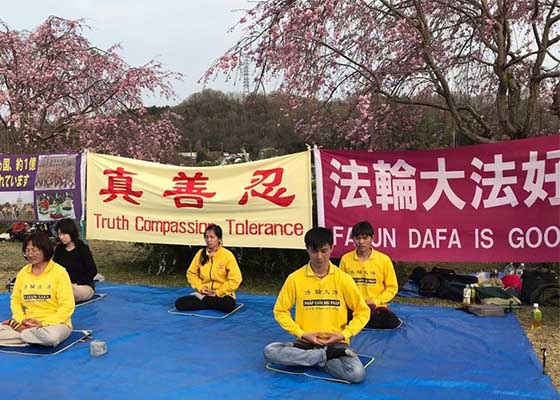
{"x":467,"y":295}
{"x":473,"y":294}
{"x":97,"y":348}
{"x":536,"y":315}
{"x":509,"y":269}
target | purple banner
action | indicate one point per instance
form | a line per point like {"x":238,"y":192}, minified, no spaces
{"x":40,"y":187}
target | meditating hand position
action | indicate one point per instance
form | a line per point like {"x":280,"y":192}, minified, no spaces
{"x":375,"y":276}
{"x":322,"y":293}
{"x":214,"y":274}
{"x":42,"y":302}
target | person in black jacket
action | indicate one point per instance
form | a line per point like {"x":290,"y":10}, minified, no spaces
{"x":76,"y":257}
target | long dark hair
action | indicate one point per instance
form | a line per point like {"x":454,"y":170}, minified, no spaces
{"x":218,"y":232}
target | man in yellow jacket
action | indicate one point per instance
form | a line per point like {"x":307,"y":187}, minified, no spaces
{"x":375,"y":276}
{"x":322,"y":293}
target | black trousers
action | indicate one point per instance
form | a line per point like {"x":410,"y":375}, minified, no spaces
{"x":192,"y":303}
{"x":381,"y":318}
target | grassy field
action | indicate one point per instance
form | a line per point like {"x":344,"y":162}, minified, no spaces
{"x":122,"y":262}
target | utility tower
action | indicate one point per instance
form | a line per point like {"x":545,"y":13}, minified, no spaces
{"x":244,"y":65}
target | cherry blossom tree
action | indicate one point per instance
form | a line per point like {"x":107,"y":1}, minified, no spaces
{"x":60,"y":93}
{"x":492,"y":66}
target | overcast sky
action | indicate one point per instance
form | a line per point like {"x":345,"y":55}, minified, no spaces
{"x":185,"y":35}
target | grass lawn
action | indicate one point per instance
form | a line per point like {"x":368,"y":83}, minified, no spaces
{"x":122,"y":262}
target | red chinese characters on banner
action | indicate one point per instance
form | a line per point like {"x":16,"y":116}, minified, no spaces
{"x":189,"y":191}
{"x":263,"y":185}
{"x":120,"y":184}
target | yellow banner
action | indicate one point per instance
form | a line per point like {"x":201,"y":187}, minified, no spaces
{"x":264,"y":203}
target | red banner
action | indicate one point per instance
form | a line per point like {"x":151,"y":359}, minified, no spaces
{"x":483,"y":203}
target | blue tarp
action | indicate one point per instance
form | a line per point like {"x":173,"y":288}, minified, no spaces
{"x":439,"y":353}
{"x":409,"y":289}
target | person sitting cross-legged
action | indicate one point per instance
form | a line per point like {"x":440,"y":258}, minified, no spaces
{"x":42,"y":302}
{"x":375,"y":276}
{"x":214,"y":274}
{"x":74,"y":255}
{"x":321,"y":293}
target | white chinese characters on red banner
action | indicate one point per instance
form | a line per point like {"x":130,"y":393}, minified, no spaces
{"x":478,"y":203}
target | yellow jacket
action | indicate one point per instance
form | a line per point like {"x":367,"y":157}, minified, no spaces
{"x":321,"y":303}
{"x":47,"y":297}
{"x":375,"y":277}
{"x":221,"y":273}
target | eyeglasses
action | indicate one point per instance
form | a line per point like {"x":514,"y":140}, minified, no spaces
{"x":31,"y":250}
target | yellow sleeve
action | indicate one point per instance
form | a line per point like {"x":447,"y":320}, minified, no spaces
{"x":391,"y":284}
{"x":342,"y":264}
{"x":193,"y":277}
{"x":65,"y":299}
{"x":233,"y":280}
{"x":360,"y":310}
{"x":15,"y":299}
{"x":283,"y":306}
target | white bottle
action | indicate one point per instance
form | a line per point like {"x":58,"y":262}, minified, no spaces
{"x":467,"y":295}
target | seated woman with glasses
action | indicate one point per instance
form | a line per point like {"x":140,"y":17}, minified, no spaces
{"x":42,"y":302}
{"x":76,"y":257}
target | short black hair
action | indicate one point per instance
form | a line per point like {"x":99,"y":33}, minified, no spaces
{"x":41,"y":241}
{"x":362,"y":228}
{"x":68,"y":226}
{"x":315,"y":238}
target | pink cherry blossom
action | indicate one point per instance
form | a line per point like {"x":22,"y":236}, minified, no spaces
{"x":58,"y":93}
{"x":490,"y":68}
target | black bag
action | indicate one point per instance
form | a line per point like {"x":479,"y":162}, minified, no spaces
{"x":429,"y":284}
{"x":417,"y":274}
{"x":547,"y":295}
{"x":450,"y":290}
{"x":444,"y":283}
{"x":443,"y":270}
{"x":537,"y":281}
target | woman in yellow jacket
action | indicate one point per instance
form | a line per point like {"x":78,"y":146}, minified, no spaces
{"x":214,"y":274}
{"x":42,"y":302}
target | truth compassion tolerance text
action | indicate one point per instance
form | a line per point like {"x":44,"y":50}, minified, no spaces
{"x":164,"y":227}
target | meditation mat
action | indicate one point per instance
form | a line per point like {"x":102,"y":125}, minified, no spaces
{"x":207,"y":313}
{"x":36,"y":350}
{"x":315,"y":373}
{"x":96,"y":296}
{"x":438,"y":354}
{"x":394,"y":329}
